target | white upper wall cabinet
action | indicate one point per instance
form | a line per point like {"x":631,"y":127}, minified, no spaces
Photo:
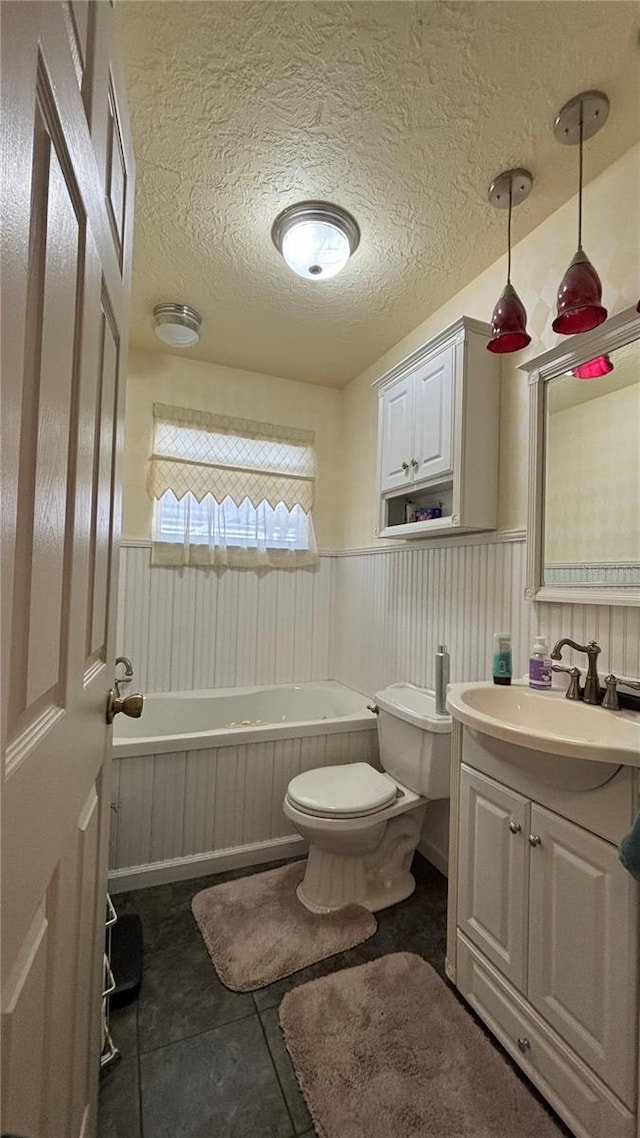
{"x":438,"y":414}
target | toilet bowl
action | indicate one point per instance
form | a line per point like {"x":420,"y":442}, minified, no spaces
{"x":363,"y":825}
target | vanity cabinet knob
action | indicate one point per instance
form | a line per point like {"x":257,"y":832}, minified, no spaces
{"x":524,"y":1044}
{"x":405,"y":466}
{"x":535,"y":840}
{"x":515,"y":827}
{"x":415,"y":464}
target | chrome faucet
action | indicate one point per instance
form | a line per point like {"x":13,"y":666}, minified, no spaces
{"x":591,"y":693}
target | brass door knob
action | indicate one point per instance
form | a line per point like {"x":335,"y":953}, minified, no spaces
{"x":130,"y":705}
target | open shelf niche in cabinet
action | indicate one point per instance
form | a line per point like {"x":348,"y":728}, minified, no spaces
{"x":438,"y":421}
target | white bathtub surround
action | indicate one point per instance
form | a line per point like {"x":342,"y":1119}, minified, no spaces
{"x":200,"y":802}
{"x":362,"y":825}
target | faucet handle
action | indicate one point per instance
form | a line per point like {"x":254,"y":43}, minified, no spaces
{"x":573,"y":691}
{"x":610,"y":698}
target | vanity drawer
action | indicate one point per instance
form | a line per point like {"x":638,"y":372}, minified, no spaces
{"x":585,"y":1103}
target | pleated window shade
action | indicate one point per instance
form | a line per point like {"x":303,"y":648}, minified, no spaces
{"x":200,"y":453}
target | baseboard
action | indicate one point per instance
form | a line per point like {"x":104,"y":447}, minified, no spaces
{"x":200,"y":865}
{"x":436,"y":856}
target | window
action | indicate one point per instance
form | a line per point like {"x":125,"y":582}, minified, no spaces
{"x":230,"y":491}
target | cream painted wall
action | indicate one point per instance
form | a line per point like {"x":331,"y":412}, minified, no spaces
{"x":156,"y":377}
{"x":612,"y":241}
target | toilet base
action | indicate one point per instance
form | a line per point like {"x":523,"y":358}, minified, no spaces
{"x":374,"y":900}
{"x":375,"y":879}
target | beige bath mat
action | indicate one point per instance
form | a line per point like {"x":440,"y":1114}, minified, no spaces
{"x":387,"y":1051}
{"x":257,"y":931}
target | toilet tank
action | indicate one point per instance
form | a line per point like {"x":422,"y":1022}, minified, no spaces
{"x":414,"y":741}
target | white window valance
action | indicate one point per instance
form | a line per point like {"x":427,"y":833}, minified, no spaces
{"x":199,"y":453}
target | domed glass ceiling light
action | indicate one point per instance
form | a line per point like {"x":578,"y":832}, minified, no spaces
{"x":509,"y":319}
{"x":316,"y":239}
{"x":580,"y":293}
{"x":177,"y":325}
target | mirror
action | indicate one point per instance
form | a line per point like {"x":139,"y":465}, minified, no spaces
{"x":584,"y":503}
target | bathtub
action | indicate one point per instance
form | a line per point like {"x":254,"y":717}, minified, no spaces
{"x":198,"y":781}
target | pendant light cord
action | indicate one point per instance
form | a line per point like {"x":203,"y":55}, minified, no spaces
{"x":509,"y":233}
{"x":580,"y":185}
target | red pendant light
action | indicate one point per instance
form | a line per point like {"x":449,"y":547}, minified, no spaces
{"x":593,"y":369}
{"x":580,"y":305}
{"x":509,"y":318}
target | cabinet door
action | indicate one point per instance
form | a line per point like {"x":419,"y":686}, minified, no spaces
{"x":432,"y":451}
{"x":583,"y":947}
{"x":395,"y":458}
{"x":493,"y":874}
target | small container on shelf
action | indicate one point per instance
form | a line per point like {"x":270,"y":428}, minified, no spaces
{"x":427,"y":513}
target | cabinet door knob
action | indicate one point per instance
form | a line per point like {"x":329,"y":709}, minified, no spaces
{"x":515,"y":827}
{"x":535,"y":840}
{"x":523,"y":1044}
{"x":415,"y":464}
{"x":405,"y":466}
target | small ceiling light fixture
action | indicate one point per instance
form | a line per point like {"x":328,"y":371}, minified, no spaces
{"x":593,"y":369}
{"x":580,"y":293}
{"x":315,"y":238}
{"x":177,"y":325}
{"x":509,"y":319}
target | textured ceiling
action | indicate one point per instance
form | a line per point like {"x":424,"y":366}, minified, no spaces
{"x":401,"y":112}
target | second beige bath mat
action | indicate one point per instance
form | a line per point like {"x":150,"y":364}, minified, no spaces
{"x":257,"y":931}
{"x":385,"y":1050}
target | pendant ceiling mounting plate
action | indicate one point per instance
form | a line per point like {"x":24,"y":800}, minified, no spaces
{"x":519,"y":181}
{"x":592,"y":106}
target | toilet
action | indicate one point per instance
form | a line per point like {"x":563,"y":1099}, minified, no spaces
{"x":363,"y":825}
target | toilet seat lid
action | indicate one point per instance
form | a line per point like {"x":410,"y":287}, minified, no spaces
{"x":350,"y":790}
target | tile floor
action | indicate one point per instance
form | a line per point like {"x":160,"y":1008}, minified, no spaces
{"x":199,"y":1061}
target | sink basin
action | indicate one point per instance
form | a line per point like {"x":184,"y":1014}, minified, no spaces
{"x":547,"y":722}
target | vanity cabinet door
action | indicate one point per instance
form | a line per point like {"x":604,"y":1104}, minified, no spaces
{"x":583,"y":947}
{"x":493,"y":876}
{"x":396,"y":439}
{"x":432,"y":451}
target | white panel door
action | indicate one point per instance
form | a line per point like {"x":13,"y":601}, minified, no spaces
{"x":67,"y":199}
{"x":492,"y":884}
{"x":583,"y":949}
{"x":396,"y":409}
{"x":432,"y":450}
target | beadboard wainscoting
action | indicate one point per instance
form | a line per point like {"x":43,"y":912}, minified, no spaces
{"x":191,"y":628}
{"x":393,"y":608}
{"x":188,"y":813}
{"x":366,"y":618}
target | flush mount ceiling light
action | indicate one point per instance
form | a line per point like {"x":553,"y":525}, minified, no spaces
{"x":580,"y":293}
{"x":316,"y":239}
{"x":509,"y":319}
{"x":177,"y":325}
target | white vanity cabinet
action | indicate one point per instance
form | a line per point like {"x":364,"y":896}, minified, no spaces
{"x":543,"y":931}
{"x":438,"y":417}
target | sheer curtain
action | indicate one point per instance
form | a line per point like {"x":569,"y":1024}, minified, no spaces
{"x":230,"y":491}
